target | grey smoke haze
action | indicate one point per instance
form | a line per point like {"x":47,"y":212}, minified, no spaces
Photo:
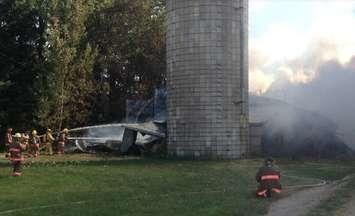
{"x":295,"y":132}
{"x":331,"y":93}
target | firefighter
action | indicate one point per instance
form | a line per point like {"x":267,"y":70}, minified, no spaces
{"x":16,"y":158}
{"x":63,"y":138}
{"x":8,"y":141}
{"x":25,"y":140}
{"x":268,"y":178}
{"x":48,"y":140}
{"x":34,"y":143}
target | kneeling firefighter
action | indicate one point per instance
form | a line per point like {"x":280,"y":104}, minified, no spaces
{"x":16,"y":158}
{"x":268,"y":178}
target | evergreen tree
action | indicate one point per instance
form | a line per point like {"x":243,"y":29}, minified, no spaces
{"x":21,"y":52}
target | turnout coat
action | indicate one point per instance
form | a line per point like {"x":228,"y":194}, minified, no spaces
{"x":268,"y":178}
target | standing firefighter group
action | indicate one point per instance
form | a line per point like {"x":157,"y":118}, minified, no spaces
{"x":22,"y":144}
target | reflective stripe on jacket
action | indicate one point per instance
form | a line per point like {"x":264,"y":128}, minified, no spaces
{"x":270,"y":177}
{"x":16,"y":152}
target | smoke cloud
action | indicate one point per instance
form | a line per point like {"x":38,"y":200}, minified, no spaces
{"x":309,"y":67}
{"x":330,"y":93}
{"x":291,"y":40}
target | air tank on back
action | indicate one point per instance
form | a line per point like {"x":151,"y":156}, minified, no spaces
{"x":207,"y":63}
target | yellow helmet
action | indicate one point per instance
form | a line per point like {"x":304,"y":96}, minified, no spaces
{"x":17,"y":135}
{"x":65,"y":130}
{"x":49,"y":130}
{"x":34,"y":132}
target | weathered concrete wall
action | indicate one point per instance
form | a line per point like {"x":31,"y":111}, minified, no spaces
{"x":207,"y":54}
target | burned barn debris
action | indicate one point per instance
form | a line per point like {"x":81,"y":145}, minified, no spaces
{"x":115,"y":137}
{"x":144,"y":131}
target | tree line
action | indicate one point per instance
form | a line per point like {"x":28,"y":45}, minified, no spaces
{"x":68,"y":63}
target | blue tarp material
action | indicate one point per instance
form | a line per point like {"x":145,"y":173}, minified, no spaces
{"x":139,"y":110}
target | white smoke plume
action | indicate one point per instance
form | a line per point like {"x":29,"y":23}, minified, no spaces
{"x":313,"y":69}
{"x":331,"y":94}
{"x":285,"y":52}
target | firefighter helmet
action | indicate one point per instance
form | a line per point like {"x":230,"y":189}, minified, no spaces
{"x":17,"y":135}
{"x":65,"y":130}
{"x":269,"y":161}
{"x":34,"y":132}
{"x":49,"y":130}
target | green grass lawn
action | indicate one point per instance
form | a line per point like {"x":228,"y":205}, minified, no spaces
{"x":97,"y":185}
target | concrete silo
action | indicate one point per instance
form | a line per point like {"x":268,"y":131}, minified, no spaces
{"x":207,"y":60}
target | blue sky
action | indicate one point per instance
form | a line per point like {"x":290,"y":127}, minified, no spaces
{"x":295,"y":13}
{"x":289,"y":39}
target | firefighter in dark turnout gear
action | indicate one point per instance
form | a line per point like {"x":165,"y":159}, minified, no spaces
{"x":63,"y":137}
{"x":16,"y":158}
{"x":268,"y":178}
{"x":8,"y":140}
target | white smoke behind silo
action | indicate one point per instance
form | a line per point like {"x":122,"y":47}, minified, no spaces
{"x":310,"y":67}
{"x":331,"y":94}
{"x":292,"y":39}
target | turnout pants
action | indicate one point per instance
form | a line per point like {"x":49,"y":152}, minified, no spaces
{"x":17,"y":168}
{"x":61,"y":147}
{"x":7,"y":149}
{"x":35,"y":150}
{"x":49,"y":148}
